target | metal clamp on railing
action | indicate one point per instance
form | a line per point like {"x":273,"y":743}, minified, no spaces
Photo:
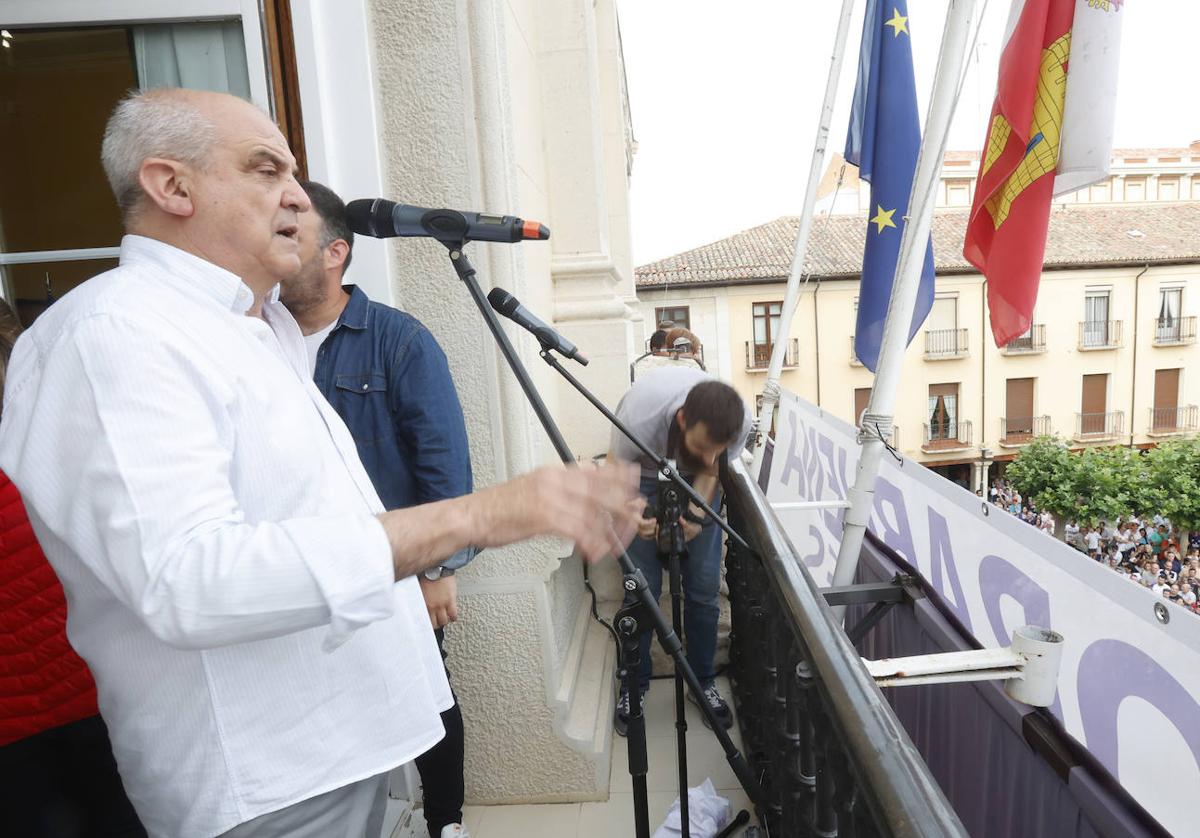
{"x":1029,"y":667}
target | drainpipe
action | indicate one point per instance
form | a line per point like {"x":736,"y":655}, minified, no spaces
{"x":1133,"y":371}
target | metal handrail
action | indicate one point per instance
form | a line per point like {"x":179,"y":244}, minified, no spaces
{"x":1173,"y":420}
{"x":1100,"y":334}
{"x":1032,"y":341}
{"x":949,"y":433}
{"x":758,"y":355}
{"x":1099,"y":425}
{"x":1173,"y":331}
{"x":1024,"y":428}
{"x":900,"y":792}
{"x":946,"y":343}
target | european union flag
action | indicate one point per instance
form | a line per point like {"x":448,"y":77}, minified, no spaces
{"x":883,"y":141}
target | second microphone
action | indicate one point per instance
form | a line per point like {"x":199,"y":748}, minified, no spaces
{"x":508,"y":305}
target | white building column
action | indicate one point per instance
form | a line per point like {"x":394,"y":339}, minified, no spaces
{"x":463,"y":125}
{"x":587,"y":163}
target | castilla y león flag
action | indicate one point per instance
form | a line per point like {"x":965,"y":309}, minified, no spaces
{"x":1050,"y":132}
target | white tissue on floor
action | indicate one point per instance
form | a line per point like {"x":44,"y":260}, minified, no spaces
{"x":708,"y":813}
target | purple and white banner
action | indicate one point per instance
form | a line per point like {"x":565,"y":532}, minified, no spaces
{"x":1129,"y":688}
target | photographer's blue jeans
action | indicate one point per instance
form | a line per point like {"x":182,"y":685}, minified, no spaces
{"x":701,"y":578}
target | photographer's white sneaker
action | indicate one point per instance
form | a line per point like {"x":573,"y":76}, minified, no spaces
{"x":454,"y":830}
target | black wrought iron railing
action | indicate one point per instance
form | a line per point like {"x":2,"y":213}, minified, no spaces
{"x":833,"y":756}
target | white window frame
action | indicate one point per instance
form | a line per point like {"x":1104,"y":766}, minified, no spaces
{"x":337,"y":92}
{"x":20,"y":14}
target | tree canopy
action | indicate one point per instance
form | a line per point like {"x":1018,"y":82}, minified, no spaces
{"x":1102,"y":483}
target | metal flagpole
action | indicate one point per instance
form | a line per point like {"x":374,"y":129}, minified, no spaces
{"x":792,"y":297}
{"x":877,"y":420}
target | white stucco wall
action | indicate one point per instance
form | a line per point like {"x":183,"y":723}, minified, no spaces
{"x":499,"y":106}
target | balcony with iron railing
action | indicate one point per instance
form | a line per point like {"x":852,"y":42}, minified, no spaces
{"x":1016,"y":431}
{"x":1174,"y":331}
{"x":1030,"y":343}
{"x":1100,"y":334}
{"x":945,"y":344}
{"x":1173,"y":421}
{"x":758,"y":355}
{"x":1099,"y":427}
{"x":947,"y":436}
{"x":832,"y":756}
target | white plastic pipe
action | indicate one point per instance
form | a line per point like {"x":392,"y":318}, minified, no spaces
{"x":791,"y":298}
{"x":877,"y":420}
{"x":1029,"y":667}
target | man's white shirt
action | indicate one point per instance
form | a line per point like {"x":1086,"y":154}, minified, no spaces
{"x":228,"y":581}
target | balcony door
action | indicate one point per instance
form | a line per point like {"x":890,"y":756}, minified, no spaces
{"x":59,"y":80}
{"x":766,"y":330}
{"x":1096,"y":318}
{"x":943,"y":411}
{"x":1094,"y":403}
{"x":1167,"y":324}
{"x":1018,"y":409}
{"x":1166,"y":401}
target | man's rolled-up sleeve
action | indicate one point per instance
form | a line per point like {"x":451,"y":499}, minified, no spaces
{"x":123,"y":450}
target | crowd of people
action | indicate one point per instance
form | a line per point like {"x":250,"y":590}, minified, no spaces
{"x":1152,"y":553}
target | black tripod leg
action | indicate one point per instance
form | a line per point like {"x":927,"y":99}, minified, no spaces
{"x":680,"y":691}
{"x":631,"y":628}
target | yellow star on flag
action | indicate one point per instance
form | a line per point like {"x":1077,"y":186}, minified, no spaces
{"x":899,"y":23}
{"x":883,"y":218}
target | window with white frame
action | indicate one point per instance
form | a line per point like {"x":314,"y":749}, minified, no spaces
{"x":1096,"y":323}
{"x":59,"y":81}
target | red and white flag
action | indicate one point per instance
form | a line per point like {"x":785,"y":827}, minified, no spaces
{"x":1050,"y":132}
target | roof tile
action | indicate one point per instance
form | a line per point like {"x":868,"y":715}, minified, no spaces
{"x":1079,"y":236}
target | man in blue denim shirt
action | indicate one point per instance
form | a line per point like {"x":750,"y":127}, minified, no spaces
{"x":386,"y":376}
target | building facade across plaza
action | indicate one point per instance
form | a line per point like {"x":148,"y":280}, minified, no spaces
{"x":1111,"y":357}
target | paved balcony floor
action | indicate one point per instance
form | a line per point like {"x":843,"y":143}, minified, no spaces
{"x":614,"y":817}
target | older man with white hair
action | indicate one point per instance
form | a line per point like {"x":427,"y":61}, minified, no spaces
{"x":235,"y":585}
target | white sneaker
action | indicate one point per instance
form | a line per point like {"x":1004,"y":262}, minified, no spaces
{"x":454,"y":830}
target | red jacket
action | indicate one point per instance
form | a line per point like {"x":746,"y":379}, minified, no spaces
{"x":43,"y":683}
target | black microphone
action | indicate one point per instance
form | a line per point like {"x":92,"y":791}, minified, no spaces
{"x":384,"y":219}
{"x":511,"y":307}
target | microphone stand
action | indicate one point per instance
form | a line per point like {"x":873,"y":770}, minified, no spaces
{"x":672,"y":546}
{"x":643,"y":614}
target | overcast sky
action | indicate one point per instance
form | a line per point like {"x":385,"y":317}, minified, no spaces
{"x":725,"y":98}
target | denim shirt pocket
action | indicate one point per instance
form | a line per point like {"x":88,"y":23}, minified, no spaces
{"x":362,"y":403}
{"x":372,"y":382}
